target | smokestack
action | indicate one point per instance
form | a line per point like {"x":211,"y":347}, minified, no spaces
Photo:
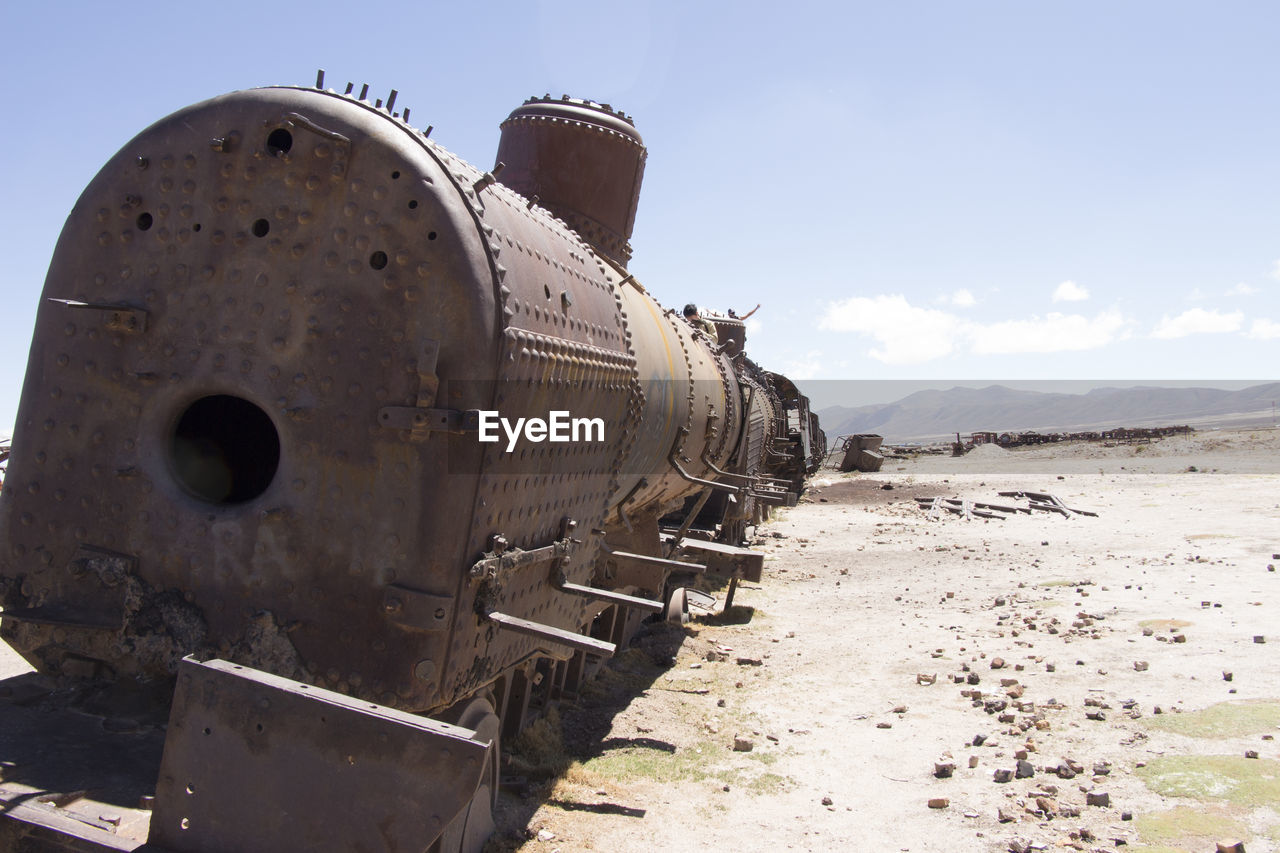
{"x":584,"y":161}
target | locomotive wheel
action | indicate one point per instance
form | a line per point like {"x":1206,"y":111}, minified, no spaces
{"x":468,"y":832}
{"x":678,"y":606}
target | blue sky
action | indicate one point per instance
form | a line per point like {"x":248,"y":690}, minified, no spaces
{"x":912,"y":190}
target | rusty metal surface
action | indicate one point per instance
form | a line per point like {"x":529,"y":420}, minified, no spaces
{"x":859,"y":452}
{"x":583,"y":161}
{"x":256,"y":762}
{"x":250,"y":422}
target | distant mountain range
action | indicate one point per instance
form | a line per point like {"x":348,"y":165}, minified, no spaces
{"x":934,"y":414}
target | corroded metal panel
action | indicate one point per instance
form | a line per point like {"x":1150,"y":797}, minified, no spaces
{"x":256,"y":762}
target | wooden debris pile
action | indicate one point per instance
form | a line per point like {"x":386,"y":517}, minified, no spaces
{"x":1036,"y":502}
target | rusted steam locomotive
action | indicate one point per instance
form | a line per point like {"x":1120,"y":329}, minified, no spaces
{"x":258,"y":448}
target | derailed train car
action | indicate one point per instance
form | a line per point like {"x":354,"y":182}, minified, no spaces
{"x":259,"y":450}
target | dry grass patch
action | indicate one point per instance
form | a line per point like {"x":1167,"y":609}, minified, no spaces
{"x":1248,"y":782}
{"x":1164,"y":624}
{"x":1226,"y":719}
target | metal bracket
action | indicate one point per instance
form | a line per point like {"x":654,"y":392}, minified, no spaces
{"x":558,"y":636}
{"x":415,"y":609}
{"x":341,"y":144}
{"x":493,"y":567}
{"x":423,"y":422}
{"x":676,"y":565}
{"x":428,"y":381}
{"x":121,"y":318}
{"x":614,"y":597}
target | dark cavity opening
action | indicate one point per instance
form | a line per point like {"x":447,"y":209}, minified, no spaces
{"x":279,"y":141}
{"x":144,"y":221}
{"x":395,"y":176}
{"x":413,"y":204}
{"x":261,"y":227}
{"x":225,"y":450}
{"x":378,"y":260}
{"x":431,"y":235}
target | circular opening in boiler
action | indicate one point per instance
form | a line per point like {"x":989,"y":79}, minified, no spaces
{"x":224,"y":450}
{"x":279,"y":141}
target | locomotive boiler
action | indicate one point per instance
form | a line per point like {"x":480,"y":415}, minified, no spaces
{"x":372,"y":451}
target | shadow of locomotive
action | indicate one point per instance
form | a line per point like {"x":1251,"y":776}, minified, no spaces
{"x":99,"y":745}
{"x":80,"y":755}
{"x":577,"y":730}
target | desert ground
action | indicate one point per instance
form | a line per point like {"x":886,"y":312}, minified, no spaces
{"x":913,"y":683}
{"x":1121,"y":672}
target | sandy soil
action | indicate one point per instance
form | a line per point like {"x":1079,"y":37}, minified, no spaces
{"x":868,"y":656}
{"x":1098,"y":623}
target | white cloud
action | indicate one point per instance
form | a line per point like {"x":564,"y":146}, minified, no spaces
{"x":905,"y":334}
{"x":1242,"y":289}
{"x":1263,"y":330}
{"x":805,"y":367}
{"x":1275,"y":269}
{"x":1069,"y":291}
{"x":962,"y":298}
{"x":1053,"y":333}
{"x":1197,"y":321}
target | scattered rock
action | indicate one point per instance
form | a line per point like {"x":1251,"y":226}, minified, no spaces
{"x":742,"y":744}
{"x":944,"y":769}
{"x":939,"y":803}
{"x":1002,"y":775}
{"x":1258,"y":638}
{"x":997,"y":663}
{"x":1251,"y":753}
{"x":1141,"y":666}
{"x":1231,"y":847}
{"x":1025,"y":770}
{"x":1004,"y":817}
{"x":926,"y":680}
{"x":1226,"y":675}
{"x":1098,"y":798}
{"x":546,"y":835}
{"x":826,"y":801}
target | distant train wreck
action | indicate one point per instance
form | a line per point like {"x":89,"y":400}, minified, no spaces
{"x":857,"y":453}
{"x":1120,"y":435}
